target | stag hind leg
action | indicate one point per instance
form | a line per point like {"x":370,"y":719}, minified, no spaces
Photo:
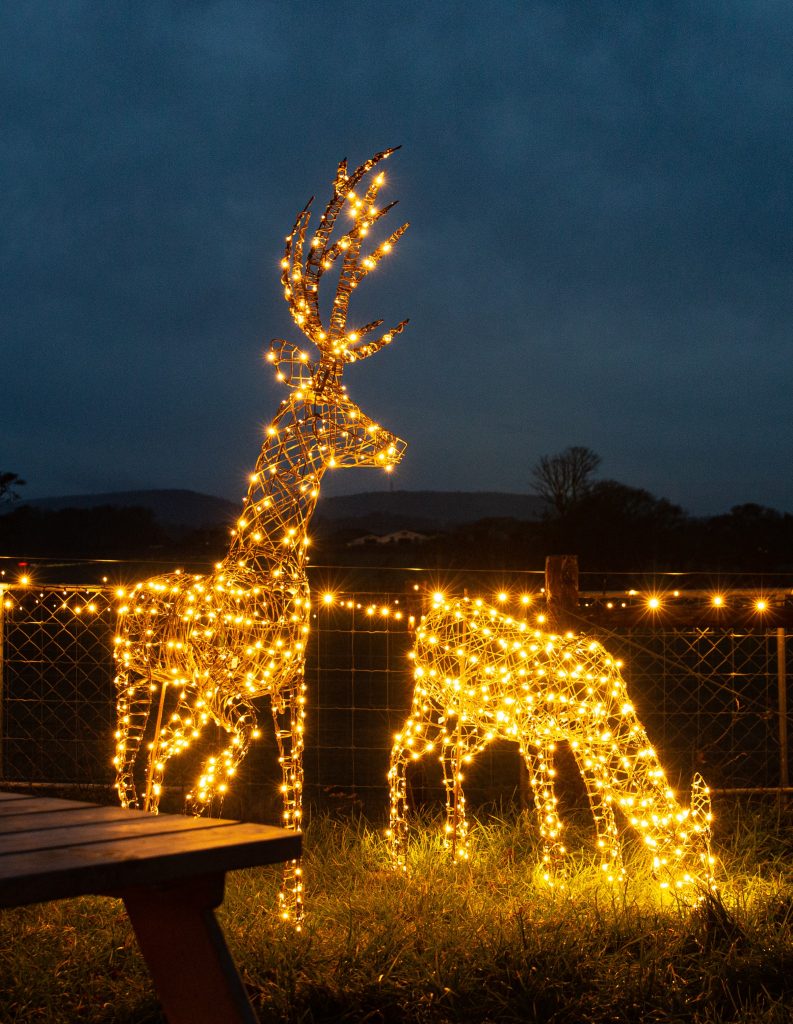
{"x":289,"y":723}
{"x":133,"y":704}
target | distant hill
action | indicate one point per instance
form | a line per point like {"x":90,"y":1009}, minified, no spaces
{"x":185,"y":509}
{"x":426,"y":510}
{"x":372,"y":511}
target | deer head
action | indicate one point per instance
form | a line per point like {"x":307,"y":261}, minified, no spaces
{"x":342,"y":435}
{"x":684,"y":859}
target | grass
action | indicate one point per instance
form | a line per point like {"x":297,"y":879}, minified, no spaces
{"x":481,"y":942}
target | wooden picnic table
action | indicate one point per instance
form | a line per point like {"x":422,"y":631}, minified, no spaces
{"x":169,"y":870}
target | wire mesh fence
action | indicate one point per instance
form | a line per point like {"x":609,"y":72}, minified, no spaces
{"x":712,"y":698}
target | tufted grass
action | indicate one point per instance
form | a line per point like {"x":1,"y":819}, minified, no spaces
{"x":480,"y":942}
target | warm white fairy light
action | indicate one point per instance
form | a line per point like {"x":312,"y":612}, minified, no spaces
{"x":481,"y":675}
{"x":200,"y":650}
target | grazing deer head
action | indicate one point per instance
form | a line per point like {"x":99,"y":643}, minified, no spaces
{"x":211,"y":645}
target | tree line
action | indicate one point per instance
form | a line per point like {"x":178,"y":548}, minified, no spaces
{"x":611,"y":526}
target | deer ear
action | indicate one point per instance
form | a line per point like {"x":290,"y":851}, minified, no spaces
{"x":700,"y":804}
{"x":292,"y":365}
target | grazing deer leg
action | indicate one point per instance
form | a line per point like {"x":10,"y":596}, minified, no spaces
{"x":288,"y":720}
{"x":595,"y":775}
{"x":398,"y":825}
{"x":539,"y":763}
{"x":419,"y":736}
{"x":456,"y":822}
{"x":132,"y":706}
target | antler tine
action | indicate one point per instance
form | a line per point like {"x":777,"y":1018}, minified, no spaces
{"x":331,"y":254}
{"x":371,"y":261}
{"x":321,"y":258}
{"x":354,"y":355}
{"x":292,"y":268}
{"x":301,"y":282}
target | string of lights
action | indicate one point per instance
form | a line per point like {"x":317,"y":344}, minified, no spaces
{"x":759,"y":603}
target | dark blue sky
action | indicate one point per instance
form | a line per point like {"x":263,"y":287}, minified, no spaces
{"x":601,"y":207}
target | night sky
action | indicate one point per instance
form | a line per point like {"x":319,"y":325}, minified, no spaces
{"x":601,"y":208}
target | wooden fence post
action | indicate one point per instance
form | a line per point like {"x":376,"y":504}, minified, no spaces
{"x":561,"y":591}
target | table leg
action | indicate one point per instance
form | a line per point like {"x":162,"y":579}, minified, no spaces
{"x":194,"y":975}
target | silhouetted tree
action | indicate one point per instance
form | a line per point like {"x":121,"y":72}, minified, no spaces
{"x":617,"y":527}
{"x":750,"y":537}
{"x":8,"y":488}
{"x":565,"y":478}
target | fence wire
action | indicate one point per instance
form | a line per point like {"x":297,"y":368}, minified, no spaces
{"x":708,"y":697}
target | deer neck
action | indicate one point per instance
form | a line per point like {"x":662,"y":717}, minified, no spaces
{"x":270,"y":536}
{"x":643,"y":792}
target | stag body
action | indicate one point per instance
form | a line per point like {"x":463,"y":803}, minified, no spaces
{"x":210,"y":646}
{"x":481,"y":675}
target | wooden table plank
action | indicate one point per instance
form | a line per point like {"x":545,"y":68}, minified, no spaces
{"x":5,"y":795}
{"x":99,"y":868}
{"x":37,"y":805}
{"x":105,"y":831}
{"x":168,"y":869}
{"x":88,"y":813}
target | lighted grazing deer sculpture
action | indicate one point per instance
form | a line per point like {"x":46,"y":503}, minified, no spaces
{"x":211,"y":645}
{"x":481,"y":675}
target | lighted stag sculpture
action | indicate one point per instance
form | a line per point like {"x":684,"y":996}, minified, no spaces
{"x":203,"y":649}
{"x":481,"y":675}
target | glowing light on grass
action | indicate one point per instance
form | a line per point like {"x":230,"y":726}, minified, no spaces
{"x":481,"y":675}
{"x":201,"y":650}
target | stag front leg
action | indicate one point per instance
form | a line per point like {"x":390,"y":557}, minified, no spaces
{"x":133,"y":705}
{"x":237,"y":716}
{"x":289,"y":723}
{"x":542,"y":774}
{"x":182,"y":727}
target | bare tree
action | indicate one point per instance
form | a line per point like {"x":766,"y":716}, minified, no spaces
{"x":564,"y":479}
{"x":8,"y":488}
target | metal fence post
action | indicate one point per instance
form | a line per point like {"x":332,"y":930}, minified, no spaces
{"x":2,"y":677}
{"x":782,"y":687}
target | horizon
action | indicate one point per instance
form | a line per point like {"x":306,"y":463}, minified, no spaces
{"x":27,"y":498}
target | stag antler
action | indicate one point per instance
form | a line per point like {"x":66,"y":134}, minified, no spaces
{"x":301,"y":280}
